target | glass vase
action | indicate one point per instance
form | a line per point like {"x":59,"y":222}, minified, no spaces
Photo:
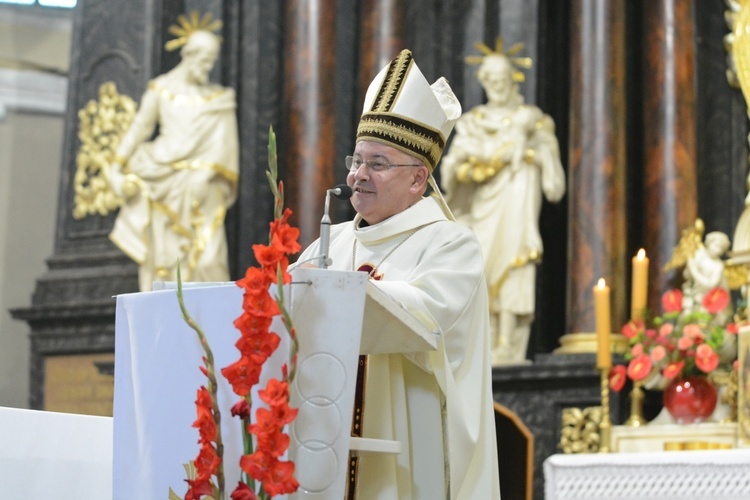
{"x":690,"y":400}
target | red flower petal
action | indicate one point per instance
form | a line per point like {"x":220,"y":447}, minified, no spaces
{"x":671,"y":301}
{"x":715,"y":300}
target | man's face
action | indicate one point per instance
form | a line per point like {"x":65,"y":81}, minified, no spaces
{"x":380,"y":195}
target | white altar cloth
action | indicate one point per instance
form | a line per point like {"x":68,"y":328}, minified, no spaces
{"x":671,"y":475}
{"x":58,"y":456}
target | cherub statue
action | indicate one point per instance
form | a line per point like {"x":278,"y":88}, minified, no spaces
{"x":503,"y":160}
{"x":178,"y":185}
{"x":704,"y":266}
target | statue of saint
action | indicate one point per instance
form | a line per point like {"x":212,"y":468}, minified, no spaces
{"x":503,"y":159}
{"x":178,"y":185}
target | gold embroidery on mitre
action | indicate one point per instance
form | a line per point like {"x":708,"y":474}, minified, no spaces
{"x":403,"y":137}
{"x":392,"y":84}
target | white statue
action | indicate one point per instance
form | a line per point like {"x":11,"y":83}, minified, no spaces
{"x":704,"y":270}
{"x":504,"y":157}
{"x":178,"y":186}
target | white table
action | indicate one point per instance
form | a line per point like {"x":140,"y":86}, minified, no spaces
{"x":52,"y":455}
{"x":683,"y":475}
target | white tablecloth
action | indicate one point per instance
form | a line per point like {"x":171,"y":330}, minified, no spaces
{"x":60,"y":456}
{"x":678,"y":475}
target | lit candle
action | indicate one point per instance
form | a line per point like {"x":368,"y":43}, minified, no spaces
{"x":603,"y":325}
{"x":639,"y":287}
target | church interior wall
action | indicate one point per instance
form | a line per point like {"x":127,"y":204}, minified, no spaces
{"x":34,"y":56}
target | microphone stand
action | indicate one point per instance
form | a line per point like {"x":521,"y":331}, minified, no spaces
{"x":342,"y":192}
{"x":325,"y":233}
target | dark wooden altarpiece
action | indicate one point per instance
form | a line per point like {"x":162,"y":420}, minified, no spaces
{"x":651,"y":136}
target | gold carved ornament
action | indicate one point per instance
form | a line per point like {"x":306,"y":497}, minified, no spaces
{"x":102,"y":125}
{"x":580,"y":431}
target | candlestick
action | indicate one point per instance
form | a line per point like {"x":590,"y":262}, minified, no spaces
{"x":605,"y":426}
{"x":639,"y":286}
{"x":603,"y":325}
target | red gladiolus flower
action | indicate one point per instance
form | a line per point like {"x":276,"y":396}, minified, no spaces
{"x":261,"y":343}
{"x":260,"y":305}
{"x":198,"y":489}
{"x":639,"y":367}
{"x":617,"y":378}
{"x":243,"y":374}
{"x":207,"y":462}
{"x":280,"y":479}
{"x":243,"y":492}
{"x":274,"y":443}
{"x":673,"y":369}
{"x":205,"y":422}
{"x":276,"y":393}
{"x":256,"y":465}
{"x":241,"y":409}
{"x":286,"y":235}
{"x":265,"y":422}
{"x":284,"y":414}
{"x":255,"y":281}
{"x":671,"y":301}
{"x":733,"y":328}
{"x":715,"y":300}
{"x":249,"y":324}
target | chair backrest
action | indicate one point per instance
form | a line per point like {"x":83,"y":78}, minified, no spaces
{"x":515,"y":455}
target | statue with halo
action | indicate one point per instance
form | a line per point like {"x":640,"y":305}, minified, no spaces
{"x":176,"y":187}
{"x":503,"y":160}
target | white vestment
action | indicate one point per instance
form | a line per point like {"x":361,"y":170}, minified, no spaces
{"x":437,"y":404}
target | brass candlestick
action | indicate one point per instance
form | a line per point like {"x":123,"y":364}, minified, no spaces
{"x":605,"y":427}
{"x":636,"y":418}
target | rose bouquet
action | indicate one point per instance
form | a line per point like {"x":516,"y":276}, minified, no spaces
{"x":683,"y":341}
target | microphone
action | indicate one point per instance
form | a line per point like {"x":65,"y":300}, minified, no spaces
{"x":342,"y":192}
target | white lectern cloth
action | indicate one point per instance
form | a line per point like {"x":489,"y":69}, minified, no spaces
{"x":155,"y":393}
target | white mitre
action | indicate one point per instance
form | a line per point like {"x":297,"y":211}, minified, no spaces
{"x":404,"y":111}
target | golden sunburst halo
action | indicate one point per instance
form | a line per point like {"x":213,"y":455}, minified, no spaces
{"x":187,"y":26}
{"x":518,"y":62}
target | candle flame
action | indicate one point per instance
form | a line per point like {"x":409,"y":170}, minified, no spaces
{"x":641,"y":254}
{"x":601,"y":283}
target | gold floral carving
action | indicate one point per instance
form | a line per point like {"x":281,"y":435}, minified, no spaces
{"x":580,"y":432}
{"x":102,"y":125}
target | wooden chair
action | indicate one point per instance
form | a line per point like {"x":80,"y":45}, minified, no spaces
{"x":515,"y":455}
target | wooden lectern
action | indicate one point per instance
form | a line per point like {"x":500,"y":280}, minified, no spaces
{"x":337,"y":315}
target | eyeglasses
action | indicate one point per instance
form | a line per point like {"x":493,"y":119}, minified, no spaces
{"x":353,"y":164}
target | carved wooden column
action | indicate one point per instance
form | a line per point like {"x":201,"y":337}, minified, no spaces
{"x":670,"y":190}
{"x":597,"y":161}
{"x":309,"y":115}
